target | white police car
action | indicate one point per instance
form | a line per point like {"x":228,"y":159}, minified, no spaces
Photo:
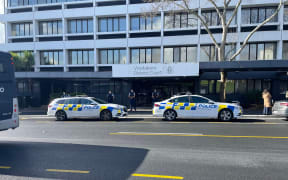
{"x":84,"y":107}
{"x":195,"y":106}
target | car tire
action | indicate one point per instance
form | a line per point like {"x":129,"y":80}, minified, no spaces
{"x":61,"y":116}
{"x":170,"y":115}
{"x":225,"y":115}
{"x":105,"y":115}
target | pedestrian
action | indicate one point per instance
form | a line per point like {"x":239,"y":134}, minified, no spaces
{"x":155,"y":97}
{"x":110,"y":97}
{"x":267,"y":102}
{"x":132,"y":99}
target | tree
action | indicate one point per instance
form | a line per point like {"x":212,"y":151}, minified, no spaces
{"x":221,"y":7}
{"x":23,"y":62}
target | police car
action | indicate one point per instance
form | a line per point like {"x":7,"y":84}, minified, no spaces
{"x":195,"y":106}
{"x":84,"y":107}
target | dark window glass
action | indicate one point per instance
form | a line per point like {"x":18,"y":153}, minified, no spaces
{"x":196,"y":99}
{"x":85,"y":101}
{"x":254,"y":15}
{"x":253,"y":52}
{"x":286,"y":14}
{"x":184,"y":99}
{"x":176,"y":55}
{"x":285,"y":50}
{"x":60,"y":101}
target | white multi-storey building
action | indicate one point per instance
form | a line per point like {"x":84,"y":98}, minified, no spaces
{"x":98,"y":45}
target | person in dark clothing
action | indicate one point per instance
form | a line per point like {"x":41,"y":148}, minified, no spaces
{"x":155,"y":97}
{"x":110,"y":97}
{"x":132,"y":96}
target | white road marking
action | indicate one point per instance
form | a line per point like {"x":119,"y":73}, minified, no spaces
{"x":159,"y":133}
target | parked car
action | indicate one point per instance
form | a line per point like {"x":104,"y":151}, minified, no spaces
{"x":84,"y":107}
{"x":280,"y":108}
{"x":195,"y":106}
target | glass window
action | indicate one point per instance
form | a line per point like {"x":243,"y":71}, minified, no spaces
{"x":196,"y":99}
{"x":55,"y":28}
{"x":74,"y":57}
{"x":286,"y":14}
{"x":245,"y":53}
{"x":148,"y":23}
{"x":183,"y":54}
{"x":72,"y":26}
{"x":261,"y":52}
{"x":169,"y":21}
{"x":229,"y":15}
{"x":85,"y":101}
{"x":156,"y":23}
{"x":270,"y":51}
{"x":116,"y":56}
{"x":61,"y":57}
{"x":230,"y":87}
{"x":254,"y":15}
{"x":80,"y":58}
{"x":204,"y":53}
{"x":142,"y":55}
{"x":176,"y":55}
{"x":253,"y":52}
{"x":204,"y":85}
{"x":192,"y":54}
{"x":207,"y":17}
{"x":85,"y":26}
{"x":192,"y":20}
{"x":134,"y":56}
{"x":184,"y":99}
{"x":156,"y":55}
{"x":59,"y":27}
{"x":110,"y":56}
{"x":250,"y":86}
{"x":214,"y":19}
{"x":56,"y":57}
{"x":285,"y":50}
{"x":142,"y":23}
{"x":177,"y":20}
{"x":122,"y":23}
{"x":79,"y":26}
{"x":262,"y":15}
{"x":50,"y":27}
{"x":270,"y":12}
{"x":148,"y":55}
{"x":134,"y":23}
{"x":22,"y":30}
{"x":240,"y":86}
{"x":168,"y":55}
{"x":91,"y":57}
{"x":115,"y":24}
{"x":184,"y":20}
{"x":229,"y":51}
{"x":258,"y":85}
{"x":85,"y":57}
{"x":103,"y":25}
{"x":110,"y":24}
{"x":123,"y":56}
{"x":103,"y":56}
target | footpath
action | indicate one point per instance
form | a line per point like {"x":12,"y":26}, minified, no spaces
{"x":248,"y":113}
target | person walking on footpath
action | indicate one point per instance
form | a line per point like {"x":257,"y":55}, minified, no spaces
{"x":110,"y":97}
{"x":155,"y":97}
{"x":267,"y":102}
{"x":132,"y":97}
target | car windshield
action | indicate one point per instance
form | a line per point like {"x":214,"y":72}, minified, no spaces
{"x":99,"y":101}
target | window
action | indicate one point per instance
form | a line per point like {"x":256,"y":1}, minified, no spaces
{"x":85,"y":101}
{"x":72,"y":101}
{"x":50,"y":27}
{"x":1,"y":68}
{"x":259,"y":51}
{"x":240,"y":86}
{"x":180,"y":54}
{"x":80,"y":26}
{"x":196,"y":99}
{"x":51,"y":57}
{"x":144,"y":23}
{"x":180,"y":20}
{"x":14,"y":3}
{"x":60,"y":101}
{"x":112,"y":56}
{"x":81,"y":57}
{"x":286,"y":14}
{"x":207,"y":53}
{"x":285,"y":50}
{"x":112,"y":24}
{"x":184,"y":99}
{"x":145,"y":55}
{"x":212,"y":19}
{"x":258,"y":15}
{"x":22,"y":29}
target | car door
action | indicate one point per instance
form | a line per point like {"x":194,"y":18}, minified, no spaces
{"x":89,"y":108}
{"x":70,"y":107}
{"x":181,"y":106}
{"x":205,"y":108}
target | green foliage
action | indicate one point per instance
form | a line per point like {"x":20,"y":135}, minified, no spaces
{"x":24,"y":62}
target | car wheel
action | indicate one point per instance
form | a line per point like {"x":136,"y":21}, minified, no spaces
{"x":105,"y":115}
{"x":225,"y":115}
{"x":61,"y":116}
{"x":170,"y":115}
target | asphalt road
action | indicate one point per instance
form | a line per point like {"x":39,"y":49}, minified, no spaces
{"x":142,"y":147}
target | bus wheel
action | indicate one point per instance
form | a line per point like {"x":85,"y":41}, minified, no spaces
{"x":105,"y":115}
{"x":170,"y":115}
{"x":61,"y":116}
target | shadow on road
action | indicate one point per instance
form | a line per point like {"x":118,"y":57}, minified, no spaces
{"x":103,"y":162}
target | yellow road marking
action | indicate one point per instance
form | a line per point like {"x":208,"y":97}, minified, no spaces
{"x":68,"y":171}
{"x":199,"y":135}
{"x":157,"y":176}
{"x":5,"y":167}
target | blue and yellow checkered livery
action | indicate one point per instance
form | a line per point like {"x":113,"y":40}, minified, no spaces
{"x":178,"y":106}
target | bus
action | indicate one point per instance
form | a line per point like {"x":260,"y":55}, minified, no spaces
{"x":9,"y":110}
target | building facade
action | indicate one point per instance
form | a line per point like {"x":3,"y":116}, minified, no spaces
{"x":98,"y":45}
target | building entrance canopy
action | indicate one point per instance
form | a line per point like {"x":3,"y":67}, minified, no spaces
{"x":155,"y":70}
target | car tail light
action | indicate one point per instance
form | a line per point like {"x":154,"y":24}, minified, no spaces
{"x":49,"y":106}
{"x":283,"y":104}
{"x":156,"y":105}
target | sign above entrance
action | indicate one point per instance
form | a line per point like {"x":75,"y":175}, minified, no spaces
{"x":155,"y":70}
